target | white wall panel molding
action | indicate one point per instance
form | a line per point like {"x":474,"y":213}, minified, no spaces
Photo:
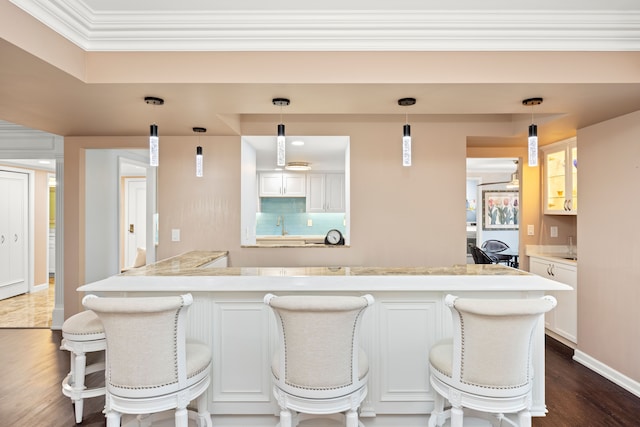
{"x":291,"y":30}
{"x":408,"y":330}
{"x":241,"y":345}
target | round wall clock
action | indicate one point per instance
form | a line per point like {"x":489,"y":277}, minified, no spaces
{"x":334,"y":237}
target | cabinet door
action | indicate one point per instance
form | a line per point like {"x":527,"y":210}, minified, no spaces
{"x":334,"y":192}
{"x":560,"y":178}
{"x":573,"y":177}
{"x":563,"y":320}
{"x":315,"y":192}
{"x":294,"y":185}
{"x":566,"y":312}
{"x":270,"y":184}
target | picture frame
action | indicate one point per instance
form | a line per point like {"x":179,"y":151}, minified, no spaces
{"x":500,"y":210}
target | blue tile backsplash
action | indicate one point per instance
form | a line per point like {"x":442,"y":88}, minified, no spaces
{"x":293,"y":209}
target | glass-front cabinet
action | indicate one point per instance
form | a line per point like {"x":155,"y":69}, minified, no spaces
{"x":561,"y":177}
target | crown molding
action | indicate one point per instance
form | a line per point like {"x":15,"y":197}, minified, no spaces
{"x":339,"y":30}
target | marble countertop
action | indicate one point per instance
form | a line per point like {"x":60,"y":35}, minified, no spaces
{"x":186,"y":273}
{"x":554,"y":253}
{"x":194,"y":261}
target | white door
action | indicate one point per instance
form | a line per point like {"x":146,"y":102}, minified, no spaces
{"x":135,"y":217}
{"x":13,"y":233}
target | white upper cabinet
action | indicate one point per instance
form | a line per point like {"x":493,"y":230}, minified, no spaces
{"x":325,"y":192}
{"x":561,"y":178}
{"x":278,"y":184}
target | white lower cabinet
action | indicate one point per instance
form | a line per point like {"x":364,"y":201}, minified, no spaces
{"x":563,"y":320}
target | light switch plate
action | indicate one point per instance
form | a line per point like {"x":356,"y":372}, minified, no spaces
{"x":530,"y":230}
{"x":175,"y":234}
{"x":309,"y":223}
{"x":554,"y":231}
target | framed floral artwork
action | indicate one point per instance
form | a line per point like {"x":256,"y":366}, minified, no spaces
{"x":500,"y":210}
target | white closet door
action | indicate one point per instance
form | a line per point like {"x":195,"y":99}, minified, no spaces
{"x":13,"y":233}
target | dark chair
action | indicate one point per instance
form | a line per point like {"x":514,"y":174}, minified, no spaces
{"x":493,"y":248}
{"x":481,"y":257}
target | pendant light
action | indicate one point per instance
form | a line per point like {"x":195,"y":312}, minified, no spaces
{"x":199,"y":159}
{"x":280,"y":139}
{"x":154,"y":141}
{"x":532,"y":146}
{"x":406,"y":132}
{"x":515,"y":181}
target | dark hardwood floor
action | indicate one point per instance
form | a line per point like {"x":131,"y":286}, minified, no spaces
{"x":32,"y":367}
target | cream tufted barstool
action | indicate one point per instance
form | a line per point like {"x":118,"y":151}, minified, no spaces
{"x":319,"y":368}
{"x":82,"y":333}
{"x":151,"y":365}
{"x":486,"y":366}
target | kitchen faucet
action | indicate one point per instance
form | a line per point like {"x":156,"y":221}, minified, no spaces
{"x":281,"y":222}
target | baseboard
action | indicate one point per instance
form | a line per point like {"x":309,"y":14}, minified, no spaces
{"x":38,"y":288}
{"x":560,"y":338}
{"x":57,"y":319}
{"x":609,"y":373}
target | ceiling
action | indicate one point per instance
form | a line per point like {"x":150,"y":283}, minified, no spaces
{"x":220,"y":63}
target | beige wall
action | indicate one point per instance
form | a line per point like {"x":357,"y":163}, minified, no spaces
{"x":608,"y":267}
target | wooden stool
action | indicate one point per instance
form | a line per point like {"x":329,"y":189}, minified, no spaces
{"x":81,"y":334}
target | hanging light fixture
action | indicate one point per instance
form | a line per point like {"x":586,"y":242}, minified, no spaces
{"x":154,"y":142}
{"x":199,"y":159}
{"x":515,"y":181}
{"x":406,"y":132}
{"x":280,"y":139}
{"x":532,"y":149}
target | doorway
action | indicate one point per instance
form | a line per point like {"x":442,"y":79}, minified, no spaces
{"x":30,"y":302}
{"x":489,"y":181}
{"x":135,"y":201}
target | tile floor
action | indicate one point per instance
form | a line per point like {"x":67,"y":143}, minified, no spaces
{"x":28,"y":310}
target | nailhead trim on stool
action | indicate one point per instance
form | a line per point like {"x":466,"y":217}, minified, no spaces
{"x":82,"y":333}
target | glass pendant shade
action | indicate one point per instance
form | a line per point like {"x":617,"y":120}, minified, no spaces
{"x":199,"y":162}
{"x":154,"y":148}
{"x":533,"y":145}
{"x":406,"y":145}
{"x":280,"y":146}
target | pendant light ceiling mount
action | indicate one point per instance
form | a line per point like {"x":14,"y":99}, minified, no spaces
{"x":405,"y":102}
{"x":280,"y":102}
{"x":530,"y":102}
{"x":199,"y":130}
{"x":153,"y":100}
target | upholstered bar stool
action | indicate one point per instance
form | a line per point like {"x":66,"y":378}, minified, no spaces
{"x":82,"y":333}
{"x":319,"y":368}
{"x":486,"y":366}
{"x":152,"y":366}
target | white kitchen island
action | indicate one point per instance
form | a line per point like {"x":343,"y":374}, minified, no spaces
{"x":408,"y":317}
